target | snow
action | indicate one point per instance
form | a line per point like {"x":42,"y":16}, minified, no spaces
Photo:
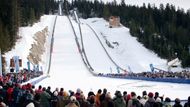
{"x":23,"y":44}
{"x":129,"y":52}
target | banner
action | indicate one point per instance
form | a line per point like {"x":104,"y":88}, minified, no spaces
{"x":0,"y":64}
{"x":16,"y":61}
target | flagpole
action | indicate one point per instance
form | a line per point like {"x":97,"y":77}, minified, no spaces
{"x":0,"y":64}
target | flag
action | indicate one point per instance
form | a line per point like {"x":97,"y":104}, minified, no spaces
{"x":37,"y":68}
{"x":118,"y":71}
{"x":0,"y":64}
{"x":151,"y":68}
{"x":129,"y":69}
{"x":16,"y":61}
{"x":28,"y":64}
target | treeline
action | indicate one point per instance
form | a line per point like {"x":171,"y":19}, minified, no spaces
{"x":16,"y":13}
{"x":165,"y":30}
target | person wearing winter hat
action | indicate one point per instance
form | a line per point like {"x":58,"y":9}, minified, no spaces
{"x":167,"y":102}
{"x":144,"y":93}
{"x":150,"y":95}
{"x":119,"y":100}
{"x":150,"y":102}
{"x":72,"y":102}
{"x":144,"y":98}
{"x":156,"y":95}
{"x":78,"y":94}
{"x":55,"y":93}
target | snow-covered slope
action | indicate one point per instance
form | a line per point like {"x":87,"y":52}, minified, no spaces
{"x":127,"y":51}
{"x":23,"y":45}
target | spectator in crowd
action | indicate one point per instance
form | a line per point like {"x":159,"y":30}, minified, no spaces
{"x":37,"y":99}
{"x":72,"y":102}
{"x":177,"y":103}
{"x":156,"y":95}
{"x":119,"y":100}
{"x":125,"y":97}
{"x":62,"y":101}
{"x":150,"y":102}
{"x":45,"y":98}
{"x":78,"y":94}
{"x":167,"y":102}
{"x":54,"y":99}
{"x":108,"y":102}
{"x":134,"y":101}
{"x":187,"y":104}
{"x":39,"y":90}
{"x":97,"y":98}
{"x":102,"y":97}
{"x":61,"y":92}
{"x":158,"y":102}
{"x":83,"y":102}
{"x":91,"y":100}
{"x":144,"y":98}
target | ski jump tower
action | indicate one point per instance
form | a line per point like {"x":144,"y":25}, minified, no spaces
{"x":60,"y":8}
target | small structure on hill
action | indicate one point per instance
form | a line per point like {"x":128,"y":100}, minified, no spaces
{"x":114,"y":21}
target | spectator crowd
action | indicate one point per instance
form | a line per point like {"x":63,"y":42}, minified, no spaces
{"x":161,"y":74}
{"x":13,"y":94}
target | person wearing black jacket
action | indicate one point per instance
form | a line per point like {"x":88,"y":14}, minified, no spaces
{"x":187,"y":104}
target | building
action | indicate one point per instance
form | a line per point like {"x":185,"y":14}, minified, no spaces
{"x":114,"y":21}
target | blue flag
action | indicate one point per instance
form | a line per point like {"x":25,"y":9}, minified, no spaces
{"x":16,"y":61}
{"x":118,"y":71}
{"x":151,"y":68}
{"x":28,"y":64}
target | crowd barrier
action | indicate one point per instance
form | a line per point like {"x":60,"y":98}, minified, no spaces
{"x":166,"y":79}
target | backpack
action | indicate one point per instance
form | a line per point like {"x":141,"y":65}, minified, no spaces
{"x":136,"y":103}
